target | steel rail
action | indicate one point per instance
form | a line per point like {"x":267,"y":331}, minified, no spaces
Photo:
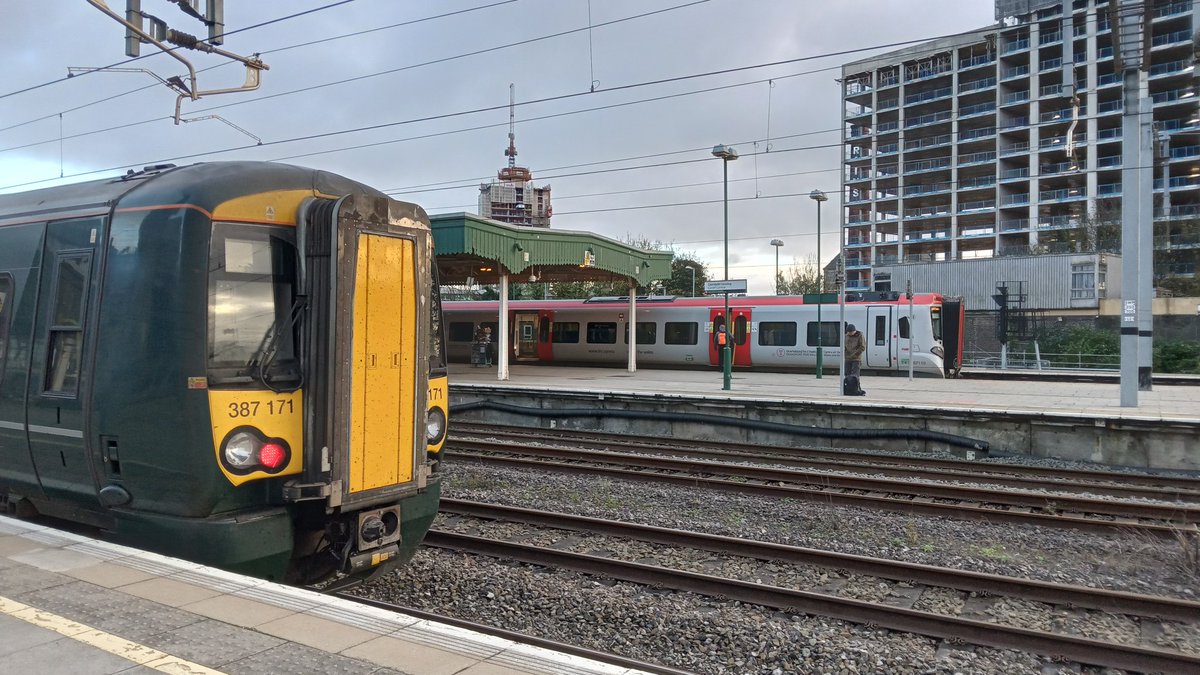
{"x":1079,"y":649}
{"x":1186,"y":484}
{"x":1119,"y":602}
{"x":1168,"y":513}
{"x":929,"y":507}
{"x":979,"y":475}
{"x":603,"y":657}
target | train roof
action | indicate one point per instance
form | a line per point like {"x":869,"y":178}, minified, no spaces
{"x":888,"y":298}
{"x":205,"y":185}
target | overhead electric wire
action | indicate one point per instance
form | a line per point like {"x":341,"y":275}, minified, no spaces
{"x":145,"y":56}
{"x":220,"y":65}
{"x":461,"y":113}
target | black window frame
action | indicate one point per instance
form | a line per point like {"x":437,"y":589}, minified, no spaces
{"x":641,"y":331}
{"x":671,"y":332}
{"x":55,"y":330}
{"x":602,"y":329}
{"x":561,"y":330}
{"x":831,"y":334}
{"x":777,"y":329}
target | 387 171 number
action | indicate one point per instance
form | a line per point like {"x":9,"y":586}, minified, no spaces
{"x":251,"y":408}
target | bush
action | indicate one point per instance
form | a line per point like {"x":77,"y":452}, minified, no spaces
{"x":1177,"y":357}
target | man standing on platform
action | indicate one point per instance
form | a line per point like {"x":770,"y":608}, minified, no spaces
{"x":854,"y":348}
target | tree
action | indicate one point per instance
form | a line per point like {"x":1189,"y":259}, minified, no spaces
{"x":681,"y":279}
{"x":799,"y":278}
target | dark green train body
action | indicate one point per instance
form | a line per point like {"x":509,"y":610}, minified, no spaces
{"x":238,"y":363}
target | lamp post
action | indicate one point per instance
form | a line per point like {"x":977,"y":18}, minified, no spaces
{"x":777,"y":243}
{"x":693,"y":270}
{"x":726,"y":155}
{"x":818,"y":197}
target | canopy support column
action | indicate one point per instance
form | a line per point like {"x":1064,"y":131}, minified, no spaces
{"x":502,"y":338}
{"x":632,"y":326}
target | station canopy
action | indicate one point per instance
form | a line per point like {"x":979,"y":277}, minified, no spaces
{"x":470,"y":247}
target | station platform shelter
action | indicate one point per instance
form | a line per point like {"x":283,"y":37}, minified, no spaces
{"x":470,"y":249}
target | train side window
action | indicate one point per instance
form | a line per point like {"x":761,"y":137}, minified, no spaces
{"x":904,"y":332}
{"x":461,"y":331}
{"x":65,"y":344}
{"x":565,"y":332}
{"x":602,"y":332}
{"x":881,"y":331}
{"x":777,"y":334}
{"x":831,"y":335}
{"x":681,"y":333}
{"x":6,"y":293}
{"x":544,"y":329}
{"x":647,"y":333}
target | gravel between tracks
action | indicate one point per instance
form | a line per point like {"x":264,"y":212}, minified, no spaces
{"x":712,"y":636}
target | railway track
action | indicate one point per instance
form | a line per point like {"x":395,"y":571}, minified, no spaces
{"x":956,"y":501}
{"x":1111,"y":483}
{"x":954,"y":628}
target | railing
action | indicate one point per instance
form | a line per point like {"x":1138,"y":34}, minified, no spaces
{"x":885,"y":216}
{"x":923,"y":257}
{"x":1009,"y":174}
{"x":1177,"y":240}
{"x":1180,"y":211}
{"x":1019,"y":249}
{"x":1169,"y":67}
{"x":1172,"y":8}
{"x":1108,"y":190}
{"x":1051,"y":169}
{"x":927,"y":235}
{"x":1015,"y":71}
{"x":888,"y":103}
{"x":979,"y":205}
{"x":1050,"y":90}
{"x":927,"y":142}
{"x":857,"y":110}
{"x":928,"y":211}
{"x":1062,"y":194}
{"x":1016,"y":46}
{"x":914,"y":190}
{"x":977,"y":232}
{"x":884,"y":170}
{"x":1104,"y":134}
{"x":890,"y":81}
{"x":1111,"y":160}
{"x":1178,"y":182}
{"x":976,"y":61}
{"x":978,"y":182}
{"x":857,"y":241}
{"x":1061,"y":140}
{"x":1170,"y":38}
{"x":887,"y":259}
{"x":1015,"y":200}
{"x":1047,"y":38}
{"x":977,"y":109}
{"x":1015,"y":123}
{"x":1109,"y":106}
{"x":859,"y":132}
{"x":1026,"y":360}
{"x":972,"y":134}
{"x":858,"y":220}
{"x":926,"y":165}
{"x":1176,"y":125}
{"x":859,"y":174}
{"x":1104,"y":53}
{"x":1014,"y":225}
{"x":1107,"y":79}
{"x":856,"y":88}
{"x":976,"y":85}
{"x":1058,"y":222}
{"x":1016,"y":97}
{"x":928,"y":95}
{"x":1015,"y":148}
{"x":887,"y":193}
{"x":1060,"y":114}
{"x":885,"y":127}
{"x":976,"y":158}
{"x":1173,"y":95}
{"x":1047,"y":64}
{"x":858,"y":262}
{"x":932,"y":70}
{"x":889,"y":148}
{"x":932,"y":118}
{"x":856,"y":153}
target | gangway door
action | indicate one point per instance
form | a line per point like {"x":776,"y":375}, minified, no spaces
{"x":879,"y":335}
{"x":525,"y":336}
{"x":739,"y":334}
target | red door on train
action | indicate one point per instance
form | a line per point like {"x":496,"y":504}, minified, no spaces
{"x":545,"y":341}
{"x":739,"y":334}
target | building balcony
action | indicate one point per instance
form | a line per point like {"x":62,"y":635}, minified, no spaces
{"x":1014,"y":149}
{"x":926,"y":96}
{"x":926,"y":120}
{"x":1062,"y":114}
{"x":1014,"y":123}
{"x":1061,"y":141}
{"x":1178,"y":182}
{"x":886,"y":127}
{"x":1182,"y":67}
{"x":1015,"y":97}
{"x":928,"y":211}
{"x":976,"y":61}
{"x":1172,"y":38}
{"x":1015,"y":225}
{"x":1059,"y":223}
{"x":977,"y":183}
{"x":857,"y":263}
{"x":1014,"y":72}
{"x":926,"y":165}
{"x":1185,"y":95}
{"x":1180,"y":212}
{"x":1109,"y":107}
{"x":1014,"y":200}
{"x":1172,"y":9}
{"x":1060,"y":167}
{"x":973,"y":232}
{"x":1049,"y":64}
{"x":977,"y":134}
{"x":973,"y":110}
{"x":1112,"y":161}
{"x":1050,"y":38}
{"x":1015,"y":46}
{"x":1108,"y":80}
{"x":930,"y":189}
{"x":928,"y":142}
{"x":1112,"y":134}
{"x":976,"y":158}
{"x":888,"y":103}
{"x":976,"y":85}
{"x":1062,"y":195}
{"x":977,"y":206}
{"x":930,"y":235}
{"x":1018,"y":173}
{"x":889,"y":149}
{"x":1108,"y":190}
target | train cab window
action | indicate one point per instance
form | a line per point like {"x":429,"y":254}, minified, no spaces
{"x":740,"y":329}
{"x":904,"y":332}
{"x":881,"y":331}
{"x":565,"y":332}
{"x":6,"y":292}
{"x":831,"y":335}
{"x":647,"y":333}
{"x":65,"y":343}
{"x":437,"y":333}
{"x":462,"y":331}
{"x":252,"y":275}
{"x":681,"y":333}
{"x":935,"y":316}
{"x":777,"y":334}
{"x":602,"y":332}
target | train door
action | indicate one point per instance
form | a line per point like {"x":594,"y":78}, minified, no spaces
{"x":739,"y":333}
{"x":545,"y":341}
{"x":57,"y":382}
{"x":879,"y":337}
{"x":525,"y":336}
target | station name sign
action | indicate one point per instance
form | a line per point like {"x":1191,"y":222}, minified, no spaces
{"x":726,"y":286}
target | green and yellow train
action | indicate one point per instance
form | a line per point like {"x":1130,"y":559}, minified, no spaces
{"x":237,"y":363}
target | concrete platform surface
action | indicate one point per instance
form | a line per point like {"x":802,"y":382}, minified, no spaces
{"x":69,"y":604}
{"x":1093,"y":399}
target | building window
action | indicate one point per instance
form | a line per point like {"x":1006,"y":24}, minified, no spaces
{"x":1083,"y":281}
{"x":681,"y":333}
{"x":777,"y":334}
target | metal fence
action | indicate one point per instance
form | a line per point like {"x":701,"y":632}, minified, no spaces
{"x":1028,"y":360}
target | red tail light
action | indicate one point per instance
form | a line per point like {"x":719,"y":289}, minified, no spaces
{"x":271,"y":455}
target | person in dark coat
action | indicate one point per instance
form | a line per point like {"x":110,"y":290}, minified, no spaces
{"x":853,"y":349}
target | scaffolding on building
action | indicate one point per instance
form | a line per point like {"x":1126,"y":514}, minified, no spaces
{"x":513,"y":198}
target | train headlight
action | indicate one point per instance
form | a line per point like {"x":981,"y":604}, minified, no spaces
{"x":435,"y":426}
{"x":241,"y":450}
{"x":246,"y":449}
{"x":938,"y":351}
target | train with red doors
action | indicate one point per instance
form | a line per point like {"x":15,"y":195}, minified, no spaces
{"x":769,"y":332}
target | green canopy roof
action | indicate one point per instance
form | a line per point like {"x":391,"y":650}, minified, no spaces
{"x":470,"y":246}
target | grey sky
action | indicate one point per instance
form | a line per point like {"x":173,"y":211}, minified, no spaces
{"x":40,"y":39}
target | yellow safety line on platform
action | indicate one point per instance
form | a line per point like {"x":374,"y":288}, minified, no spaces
{"x":130,"y":651}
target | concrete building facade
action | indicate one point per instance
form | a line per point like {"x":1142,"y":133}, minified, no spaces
{"x":976,"y":147}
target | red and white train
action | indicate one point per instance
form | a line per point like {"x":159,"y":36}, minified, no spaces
{"x":768,"y":332}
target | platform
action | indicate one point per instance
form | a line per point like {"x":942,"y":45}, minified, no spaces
{"x":1095,"y":399}
{"x":69,"y":604}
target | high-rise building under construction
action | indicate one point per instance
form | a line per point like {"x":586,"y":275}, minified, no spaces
{"x":513,"y":198}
